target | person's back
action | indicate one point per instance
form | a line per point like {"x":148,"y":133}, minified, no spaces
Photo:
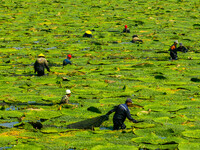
{"x":67,"y":60}
{"x":173,"y":51}
{"x":88,"y":34}
{"x":121,"y":112}
{"x":40,"y":64}
{"x":65,"y":98}
{"x":182,"y":48}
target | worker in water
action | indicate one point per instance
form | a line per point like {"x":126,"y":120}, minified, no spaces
{"x":65,"y":98}
{"x":88,"y":33}
{"x":40,"y":65}
{"x":121,"y":113}
{"x":182,"y":48}
{"x":126,"y":30}
{"x":135,"y":39}
{"x":67,"y":60}
{"x":173,"y":50}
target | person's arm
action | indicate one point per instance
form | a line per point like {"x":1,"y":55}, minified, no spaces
{"x":185,"y":49}
{"x":35,"y":65}
{"x":46,"y":65}
{"x":129,"y":117}
{"x":111,"y":111}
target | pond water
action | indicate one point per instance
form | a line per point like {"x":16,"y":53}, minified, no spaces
{"x":11,"y":108}
{"x":9,"y":124}
{"x":105,"y":128}
{"x":125,"y":43}
{"x":6,"y":147}
{"x":50,"y":48}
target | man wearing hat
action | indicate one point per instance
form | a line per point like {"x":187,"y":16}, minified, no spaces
{"x":121,"y":113}
{"x":65,"y":98}
{"x":67,"y":60}
{"x":173,"y":50}
{"x":88,"y":33}
{"x":40,"y":64}
{"x":182,"y":48}
{"x":126,"y":29}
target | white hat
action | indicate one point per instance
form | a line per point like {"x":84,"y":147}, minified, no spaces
{"x":68,"y":92}
{"x":176,"y":41}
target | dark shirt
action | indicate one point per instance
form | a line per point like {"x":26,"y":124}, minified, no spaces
{"x":121,"y":113}
{"x":40,"y":64}
{"x":126,"y":30}
{"x":182,"y":49}
{"x":66,"y":62}
{"x":87,"y":35}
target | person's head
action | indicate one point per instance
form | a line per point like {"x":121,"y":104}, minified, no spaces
{"x":180,"y":44}
{"x":68,"y":93}
{"x":129,"y":101}
{"x":134,"y":36}
{"x":176,"y":42}
{"x":69,"y":56}
{"x":41,"y":55}
{"x":126,"y":26}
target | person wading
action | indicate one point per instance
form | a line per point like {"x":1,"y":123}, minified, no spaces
{"x":173,"y":51}
{"x":67,"y":60}
{"x":88,"y":33}
{"x":135,"y":39}
{"x":40,"y":64}
{"x":65,"y":98}
{"x":126,"y":30}
{"x":182,"y":48}
{"x":121,"y":113}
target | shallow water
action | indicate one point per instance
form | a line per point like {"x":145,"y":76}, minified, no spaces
{"x":9,"y":125}
{"x":105,"y":128}
{"x":11,"y":108}
{"x":125,"y":43}
{"x":50,"y":48}
{"x":6,"y":147}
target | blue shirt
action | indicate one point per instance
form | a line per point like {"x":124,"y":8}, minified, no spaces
{"x":66,"y":62}
{"x":121,"y":113}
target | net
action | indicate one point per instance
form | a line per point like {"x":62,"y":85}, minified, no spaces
{"x":88,"y":123}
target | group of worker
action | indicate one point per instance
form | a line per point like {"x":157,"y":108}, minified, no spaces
{"x":121,"y":111}
{"x":41,"y":62}
{"x":173,"y":50}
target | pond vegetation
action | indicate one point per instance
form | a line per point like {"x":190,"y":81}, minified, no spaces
{"x":106,"y":70}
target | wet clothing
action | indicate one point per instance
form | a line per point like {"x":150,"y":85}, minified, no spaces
{"x":40,"y":65}
{"x":87,"y":35}
{"x":64,"y":100}
{"x":121,"y":113}
{"x":173,"y":52}
{"x":182,"y":49}
{"x":126,"y":30}
{"x":66,"y":62}
{"x":136,"y":40}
